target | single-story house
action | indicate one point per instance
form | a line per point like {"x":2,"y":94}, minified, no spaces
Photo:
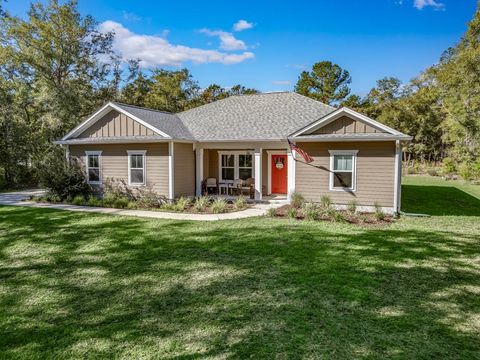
{"x":241,"y":137}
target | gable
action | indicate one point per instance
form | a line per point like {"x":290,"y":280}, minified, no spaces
{"x":346,"y":125}
{"x":115,"y":123}
{"x":347,"y":122}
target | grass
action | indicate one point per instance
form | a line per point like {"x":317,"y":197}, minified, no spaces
{"x":76,"y":285}
{"x":434,"y":196}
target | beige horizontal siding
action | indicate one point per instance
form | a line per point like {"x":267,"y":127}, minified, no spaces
{"x":375,"y":173}
{"x":116,"y":124}
{"x":346,"y":125}
{"x":184,"y":169}
{"x":114,"y":162}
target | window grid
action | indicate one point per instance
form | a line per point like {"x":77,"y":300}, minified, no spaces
{"x":343,"y":170}
{"x":136,"y":168}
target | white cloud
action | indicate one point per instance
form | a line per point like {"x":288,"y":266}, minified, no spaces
{"x":227,"y":40}
{"x":281,"y":82}
{"x":241,"y":25}
{"x":157,"y":51}
{"x":420,"y":4}
{"x":129,"y":16}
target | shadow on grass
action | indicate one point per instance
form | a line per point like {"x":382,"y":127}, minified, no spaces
{"x":439,"y":201}
{"x":82,"y":285}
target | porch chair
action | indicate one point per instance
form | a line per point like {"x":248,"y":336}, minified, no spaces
{"x":248,"y":186}
{"x":236,"y":186}
{"x":211,"y":183}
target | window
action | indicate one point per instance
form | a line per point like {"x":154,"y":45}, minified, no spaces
{"x":244,"y":166}
{"x":136,"y":167}
{"x":93,"y":167}
{"x":236,"y":165}
{"x":342,"y":170}
{"x":228,"y":167}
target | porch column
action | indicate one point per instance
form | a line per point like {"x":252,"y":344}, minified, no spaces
{"x":291,"y":173}
{"x":258,"y":174}
{"x":199,"y":171}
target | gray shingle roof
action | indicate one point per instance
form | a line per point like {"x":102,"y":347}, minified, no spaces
{"x":166,"y":122}
{"x":251,"y":117}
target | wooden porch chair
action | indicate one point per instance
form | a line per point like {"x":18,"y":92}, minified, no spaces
{"x":211,"y":183}
{"x":248,"y":186}
{"x":236,"y":186}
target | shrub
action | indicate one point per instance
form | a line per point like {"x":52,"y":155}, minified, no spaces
{"x":325,"y":202}
{"x":292,"y":213}
{"x":297,"y":200}
{"x":168,"y":206}
{"x":62,"y":180}
{"x":271,"y":212}
{"x":352,"y":207}
{"x":121,"y":203}
{"x":337,"y":216}
{"x":379,"y":214}
{"x":109,"y":198}
{"x":54,"y":198}
{"x":146,"y":197}
{"x":78,"y":200}
{"x":470,"y":170}
{"x":219,"y":205}
{"x":132,"y":205}
{"x":449,"y":166}
{"x":240,"y":203}
{"x":181,"y":204}
{"x":432,"y":172}
{"x":94,"y":201}
{"x":310,"y":211}
{"x":201,"y":203}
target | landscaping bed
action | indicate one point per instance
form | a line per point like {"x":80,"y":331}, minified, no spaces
{"x":299,"y":209}
{"x":199,"y":205}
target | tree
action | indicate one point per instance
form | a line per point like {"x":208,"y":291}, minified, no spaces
{"x":241,"y":90}
{"x":326,"y":82}
{"x":171,"y":91}
{"x":458,"y":80}
{"x":356,"y":103}
{"x":51,"y":76}
{"x":136,"y":91}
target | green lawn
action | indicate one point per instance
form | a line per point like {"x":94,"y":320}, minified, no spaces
{"x":78,"y":285}
{"x":435,"y":196}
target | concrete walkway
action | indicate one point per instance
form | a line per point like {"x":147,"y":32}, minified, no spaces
{"x":20,"y":198}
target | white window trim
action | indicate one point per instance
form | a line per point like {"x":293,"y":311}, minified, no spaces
{"x":99,"y":154}
{"x":137,"y":152}
{"x":236,"y":167}
{"x":354,"y":169}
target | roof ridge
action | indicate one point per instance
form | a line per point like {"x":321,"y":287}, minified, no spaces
{"x":143,"y":108}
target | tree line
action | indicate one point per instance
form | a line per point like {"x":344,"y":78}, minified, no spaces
{"x":440,"y":108}
{"x":56,"y":68}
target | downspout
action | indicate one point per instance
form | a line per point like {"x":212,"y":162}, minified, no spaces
{"x":398,"y":178}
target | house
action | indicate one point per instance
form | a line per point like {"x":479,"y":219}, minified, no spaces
{"x":240,"y":137}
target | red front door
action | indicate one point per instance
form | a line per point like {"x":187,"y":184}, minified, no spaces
{"x":279,"y":174}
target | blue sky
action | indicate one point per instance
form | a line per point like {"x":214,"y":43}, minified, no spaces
{"x":278,"y":39}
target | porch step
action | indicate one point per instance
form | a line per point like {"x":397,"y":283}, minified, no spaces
{"x":274,"y":201}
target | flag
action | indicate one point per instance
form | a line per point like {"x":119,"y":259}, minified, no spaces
{"x":308,"y":159}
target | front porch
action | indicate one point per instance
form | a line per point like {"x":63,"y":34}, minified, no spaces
{"x":259,"y":171}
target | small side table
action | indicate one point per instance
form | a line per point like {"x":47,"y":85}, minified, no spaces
{"x":221,"y":186}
